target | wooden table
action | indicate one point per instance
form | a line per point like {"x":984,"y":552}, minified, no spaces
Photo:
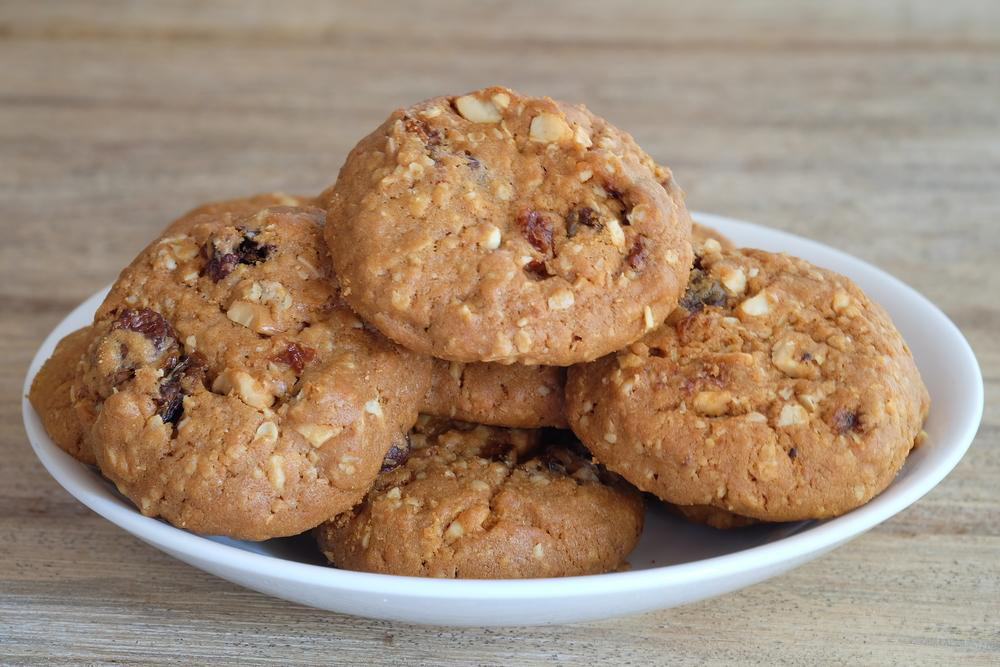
{"x":874,"y":127}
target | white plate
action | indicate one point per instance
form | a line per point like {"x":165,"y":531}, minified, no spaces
{"x":675,"y":562}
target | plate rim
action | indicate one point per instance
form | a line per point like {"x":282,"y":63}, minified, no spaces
{"x":817,"y":538}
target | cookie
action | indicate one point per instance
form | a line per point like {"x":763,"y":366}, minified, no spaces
{"x":714,"y":517}
{"x":240,"y":207}
{"x":496,"y":227}
{"x":237,"y":394}
{"x":779,"y":391}
{"x":52,"y":397}
{"x":511,"y":395}
{"x":700,"y":235}
{"x":466,"y":504}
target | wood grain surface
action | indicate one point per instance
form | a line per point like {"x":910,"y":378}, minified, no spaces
{"x":874,"y":127}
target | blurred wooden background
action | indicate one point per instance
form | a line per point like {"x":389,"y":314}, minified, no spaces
{"x":874,"y":127}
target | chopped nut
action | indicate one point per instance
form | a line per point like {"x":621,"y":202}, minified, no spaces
{"x":250,"y":390}
{"x":791,"y":414}
{"x":538,"y":551}
{"x":276,"y":473}
{"x":561,"y":299}
{"x":841,"y":301}
{"x":712,"y":403}
{"x":617,"y":234}
{"x":267,"y":432}
{"x":251,"y":315}
{"x":522,"y":340}
{"x":454,"y":531}
{"x":491,"y":237}
{"x":473,"y":109}
{"x":373,"y":407}
{"x":756,"y":305}
{"x":734,"y":280}
{"x":647,"y":318}
{"x":393,"y":493}
{"x":549,"y":127}
{"x":317,"y":434}
{"x":797,"y":356}
{"x":502,"y":100}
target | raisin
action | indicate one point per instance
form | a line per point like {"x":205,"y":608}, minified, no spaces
{"x":180,"y":381}
{"x":585,"y":216}
{"x":702,"y":291}
{"x":218,"y":264}
{"x":538,"y":269}
{"x":148,"y":322}
{"x":471,"y":161}
{"x":536,"y":229}
{"x":251,"y":252}
{"x":846,"y":420}
{"x":619,"y":199}
{"x":657,"y":352}
{"x":296,"y":356}
{"x":397,"y":455}
{"x":636,"y":257}
{"x":429,"y":136}
{"x":792,"y":453}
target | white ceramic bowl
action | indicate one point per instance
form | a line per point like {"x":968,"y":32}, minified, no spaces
{"x":675,"y":562}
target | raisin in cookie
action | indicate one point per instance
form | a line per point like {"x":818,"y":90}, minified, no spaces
{"x":511,"y":395}
{"x":778,"y":391}
{"x":475,"y":502}
{"x":496,"y":227}
{"x":52,"y":396}
{"x":237,"y":394}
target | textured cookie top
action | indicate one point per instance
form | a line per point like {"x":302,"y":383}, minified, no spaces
{"x":496,"y":227}
{"x":53,"y":398}
{"x":778,"y":391}
{"x":238,"y":395}
{"x":499,"y":394}
{"x":463,"y":507}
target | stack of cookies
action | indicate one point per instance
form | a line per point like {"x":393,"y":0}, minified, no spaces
{"x":468,"y":356}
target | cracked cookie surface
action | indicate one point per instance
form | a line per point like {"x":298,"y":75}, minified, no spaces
{"x":482,"y":502}
{"x":511,"y":395}
{"x":237,"y":395}
{"x":777,"y":391}
{"x":496,"y":227}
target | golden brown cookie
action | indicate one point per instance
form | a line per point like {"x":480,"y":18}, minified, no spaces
{"x":237,"y":395}
{"x":466,"y":504}
{"x":780,"y":392}
{"x":511,"y":395}
{"x":497,"y":227}
{"x":52,"y":397}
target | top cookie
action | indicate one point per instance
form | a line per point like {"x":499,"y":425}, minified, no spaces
{"x":496,"y":227}
{"x":237,"y":394}
{"x":778,"y":391}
